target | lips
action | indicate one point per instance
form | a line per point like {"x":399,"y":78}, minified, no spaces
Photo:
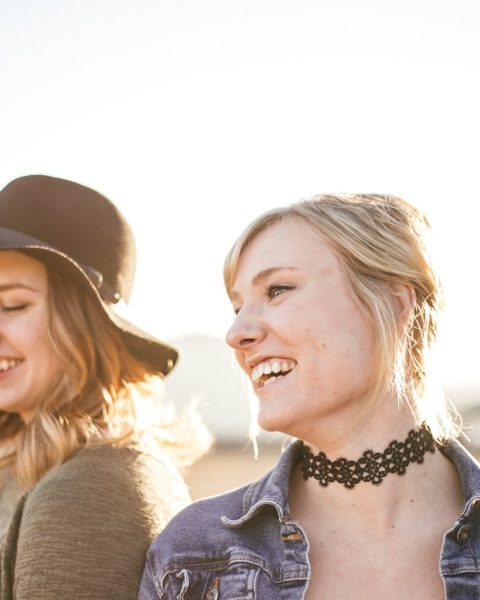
{"x":271,"y":369}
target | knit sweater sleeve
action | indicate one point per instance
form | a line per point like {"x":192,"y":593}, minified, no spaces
{"x":84,"y":530}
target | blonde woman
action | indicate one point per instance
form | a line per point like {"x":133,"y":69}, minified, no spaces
{"x":336,"y":302}
{"x":83,"y":486}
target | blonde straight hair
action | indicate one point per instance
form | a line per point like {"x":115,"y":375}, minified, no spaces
{"x":380,"y":241}
{"x":95,"y":398}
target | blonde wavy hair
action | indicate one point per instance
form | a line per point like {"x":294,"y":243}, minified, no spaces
{"x":380,"y":241}
{"x":98,"y":397}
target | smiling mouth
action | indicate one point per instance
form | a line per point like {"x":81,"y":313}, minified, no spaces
{"x":270,"y":370}
{"x":7,"y":364}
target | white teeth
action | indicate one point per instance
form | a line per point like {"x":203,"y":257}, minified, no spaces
{"x":272,"y":366}
{"x":271,"y":379}
{"x":7,"y":364}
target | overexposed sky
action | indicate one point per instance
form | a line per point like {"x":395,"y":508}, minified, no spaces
{"x":194,"y":116}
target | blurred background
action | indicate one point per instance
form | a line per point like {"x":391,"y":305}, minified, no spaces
{"x":193,"y":117}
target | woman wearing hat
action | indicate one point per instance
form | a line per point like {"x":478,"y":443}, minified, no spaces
{"x":84,"y":485}
{"x":337,"y":304}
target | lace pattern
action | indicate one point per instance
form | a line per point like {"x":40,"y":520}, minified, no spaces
{"x":372,"y":466}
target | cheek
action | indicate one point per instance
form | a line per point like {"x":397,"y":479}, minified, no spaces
{"x":38,"y":342}
{"x":334,"y":346}
{"x":40,"y":339}
{"x":28,"y":338}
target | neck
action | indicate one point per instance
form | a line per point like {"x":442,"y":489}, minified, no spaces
{"x":372,"y":467}
{"x":352,"y":429}
{"x":375,"y":508}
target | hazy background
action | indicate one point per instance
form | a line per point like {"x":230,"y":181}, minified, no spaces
{"x":194,"y":116}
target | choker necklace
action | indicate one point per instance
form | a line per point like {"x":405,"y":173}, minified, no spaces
{"x":372,"y":466}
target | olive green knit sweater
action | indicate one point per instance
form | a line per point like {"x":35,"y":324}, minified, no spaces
{"x":82,"y":532}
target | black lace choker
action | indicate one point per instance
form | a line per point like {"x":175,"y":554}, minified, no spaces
{"x":372,"y":466}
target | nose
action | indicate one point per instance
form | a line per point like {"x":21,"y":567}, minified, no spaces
{"x":246,"y":331}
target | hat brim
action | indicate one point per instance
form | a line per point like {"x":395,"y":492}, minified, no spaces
{"x":157,"y":355}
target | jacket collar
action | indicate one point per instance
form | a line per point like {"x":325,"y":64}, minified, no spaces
{"x":469,"y":471}
{"x":270,"y":490}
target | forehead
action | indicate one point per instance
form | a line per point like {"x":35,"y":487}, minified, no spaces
{"x":15,"y":266}
{"x":290,"y":243}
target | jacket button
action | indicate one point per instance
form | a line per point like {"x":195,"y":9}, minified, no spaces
{"x":463,"y":534}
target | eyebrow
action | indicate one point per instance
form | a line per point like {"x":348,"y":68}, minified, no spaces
{"x":5,"y":287}
{"x":262,"y":275}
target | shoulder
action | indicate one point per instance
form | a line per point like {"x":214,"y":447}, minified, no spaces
{"x":240,"y":513}
{"x":94,"y":477}
{"x":87,"y":524}
{"x":200,"y":523}
{"x":211,"y":510}
{"x":223,"y":536}
{"x":467,"y":466}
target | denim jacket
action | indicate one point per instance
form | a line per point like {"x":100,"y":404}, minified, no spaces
{"x":243,"y":545}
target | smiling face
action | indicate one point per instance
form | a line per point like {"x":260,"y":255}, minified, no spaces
{"x":299,"y":334}
{"x":27,"y":363}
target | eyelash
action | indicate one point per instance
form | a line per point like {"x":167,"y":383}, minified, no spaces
{"x":14,"y":308}
{"x":275,"y":289}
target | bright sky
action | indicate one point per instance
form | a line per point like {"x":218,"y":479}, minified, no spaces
{"x":194,"y":116}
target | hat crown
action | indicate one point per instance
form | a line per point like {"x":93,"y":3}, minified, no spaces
{"x":75,"y":220}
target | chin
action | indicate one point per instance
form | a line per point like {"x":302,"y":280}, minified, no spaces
{"x":275,"y":421}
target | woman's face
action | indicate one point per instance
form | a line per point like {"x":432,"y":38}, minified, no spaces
{"x":299,"y":334}
{"x":27,"y":363}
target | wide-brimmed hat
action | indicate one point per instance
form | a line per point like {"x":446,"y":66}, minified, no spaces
{"x":84,"y":236}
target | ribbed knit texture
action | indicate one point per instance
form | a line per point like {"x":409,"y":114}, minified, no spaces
{"x":83,"y":531}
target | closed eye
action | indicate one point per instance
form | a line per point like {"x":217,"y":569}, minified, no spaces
{"x":14,"y":307}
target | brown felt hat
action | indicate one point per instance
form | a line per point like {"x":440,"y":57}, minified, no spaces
{"x":83,"y":235}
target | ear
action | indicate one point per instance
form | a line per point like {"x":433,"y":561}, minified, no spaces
{"x":405,"y":297}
